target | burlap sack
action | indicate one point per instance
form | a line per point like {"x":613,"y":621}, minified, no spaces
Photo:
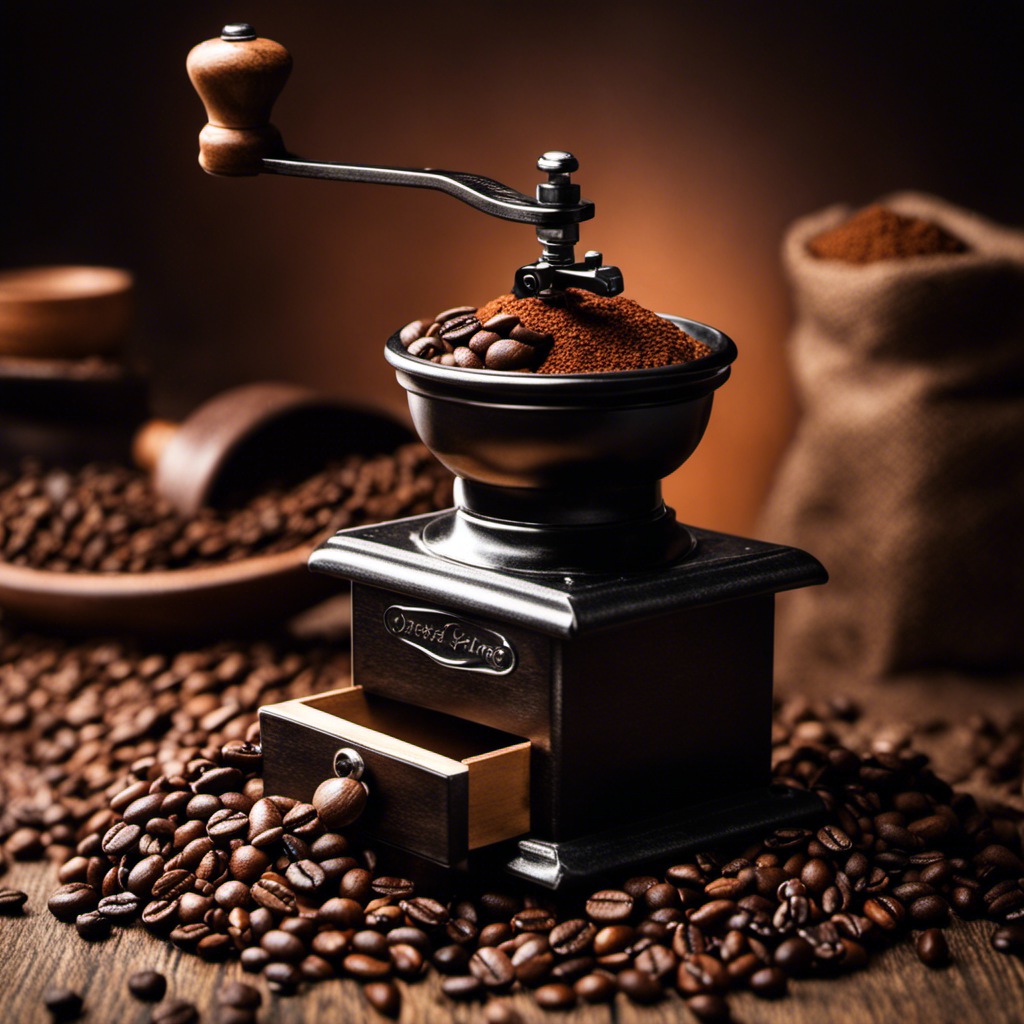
{"x":906,"y":474}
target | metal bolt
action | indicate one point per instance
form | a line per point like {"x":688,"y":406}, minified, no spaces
{"x":240,"y":32}
{"x":348,"y":763}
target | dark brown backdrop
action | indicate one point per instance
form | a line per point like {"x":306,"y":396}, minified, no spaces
{"x":702,"y":129}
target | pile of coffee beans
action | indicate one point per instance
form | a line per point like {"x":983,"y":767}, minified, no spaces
{"x":878,"y":233}
{"x":74,"y":715}
{"x":194,"y":849}
{"x":109,"y":519}
{"x":573,"y":331}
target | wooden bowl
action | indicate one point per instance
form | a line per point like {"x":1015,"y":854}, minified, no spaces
{"x":236,"y":597}
{"x":64,"y":312}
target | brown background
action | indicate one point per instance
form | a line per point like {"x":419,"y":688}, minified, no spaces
{"x":702,"y":130}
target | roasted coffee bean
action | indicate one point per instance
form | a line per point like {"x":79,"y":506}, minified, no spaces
{"x":506,"y":354}
{"x":609,"y":906}
{"x":147,"y":986}
{"x":492,"y":967}
{"x":502,"y":324}
{"x":366,"y":968}
{"x":247,"y":863}
{"x":533,"y":919}
{"x":412,"y":332}
{"x":227,"y":824}
{"x":450,"y":314}
{"x":701,"y":973}
{"x":463,"y":987}
{"x":459,"y":329}
{"x":383,"y":918}
{"x":640,"y":986}
{"x":371,"y":943}
{"x":69,"y":901}
{"x":556,"y":996}
{"x":657,"y":960}
{"x":160,"y":915}
{"x":282,"y":977}
{"x":794,"y":955}
{"x":63,"y":1003}
{"x":708,"y":1007}
{"x":384,"y":997}
{"x":768,"y":983}
{"x":572,"y":937}
{"x":175,"y":1011}
{"x":274,"y":896}
{"x":399,"y":888}
{"x":928,"y":912}
{"x":188,"y":936}
{"x":93,"y":926}
{"x":451,"y":959}
{"x":1009,"y":939}
{"x":12,"y":902}
{"x":932,"y":949}
{"x":265,"y":824}
{"x":339,"y":802}
{"x":121,"y":838}
{"x":713,"y":913}
{"x":283,"y":946}
{"x":254,"y":959}
{"x":172,"y":884}
{"x":480,"y":342}
{"x":305,"y":876}
{"x":408,"y":961}
{"x":885,"y":911}
{"x":426,"y":913}
{"x":595,"y":988}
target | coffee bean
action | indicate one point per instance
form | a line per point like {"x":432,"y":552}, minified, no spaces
{"x":928,"y":912}
{"x":274,"y":896}
{"x":412,"y":332}
{"x":768,"y":983}
{"x":534,"y":919}
{"x":450,"y":314}
{"x":384,"y":997}
{"x":305,"y":876}
{"x":532,"y":338}
{"x":283,"y":946}
{"x":506,"y":354}
{"x":139,"y":811}
{"x":63,"y":1003}
{"x":365,"y":967}
{"x":609,"y":906}
{"x":425,"y":912}
{"x":1009,"y":939}
{"x":172,"y":884}
{"x":794,"y":955}
{"x":144,"y":874}
{"x":595,"y":988}
{"x":148,"y":986}
{"x":339,"y":802}
{"x":69,"y":901}
{"x":932,"y":949}
{"x":498,"y":1012}
{"x":467,"y":357}
{"x":400,"y":888}
{"x":121,"y":838}
{"x":656,"y":960}
{"x":463,"y":987}
{"x":556,"y":996}
{"x":492,"y":967}
{"x":885,"y":911}
{"x":93,"y":926}
{"x":175,"y":1011}
{"x":227,"y":824}
{"x":711,"y":1008}
{"x":282,"y":977}
{"x":572,"y":937}
{"x":12,"y":902}
{"x":713,"y":914}
{"x":502,"y":324}
{"x":833,"y":838}
{"x":459,"y":329}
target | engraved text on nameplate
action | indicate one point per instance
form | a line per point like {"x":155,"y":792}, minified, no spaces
{"x":450,"y":641}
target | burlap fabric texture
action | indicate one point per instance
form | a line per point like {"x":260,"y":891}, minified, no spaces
{"x":906,"y":473}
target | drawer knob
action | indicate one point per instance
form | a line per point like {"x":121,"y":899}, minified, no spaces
{"x":348,"y":764}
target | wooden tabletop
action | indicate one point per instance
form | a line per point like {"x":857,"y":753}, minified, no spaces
{"x":37,"y":951}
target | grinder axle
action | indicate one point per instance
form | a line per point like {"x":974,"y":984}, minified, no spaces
{"x":239,"y":76}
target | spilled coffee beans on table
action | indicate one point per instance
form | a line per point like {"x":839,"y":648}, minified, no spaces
{"x":194,"y":848}
{"x":109,"y":518}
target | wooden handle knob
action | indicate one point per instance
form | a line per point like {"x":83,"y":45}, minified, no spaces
{"x":238,"y":77}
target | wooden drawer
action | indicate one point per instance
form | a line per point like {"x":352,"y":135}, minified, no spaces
{"x":439,"y":786}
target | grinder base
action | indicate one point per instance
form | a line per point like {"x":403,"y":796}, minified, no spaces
{"x":656,"y":841}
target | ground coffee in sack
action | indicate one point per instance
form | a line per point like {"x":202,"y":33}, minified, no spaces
{"x":906,"y":473}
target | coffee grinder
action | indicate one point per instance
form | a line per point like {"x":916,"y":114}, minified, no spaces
{"x":555,"y":675}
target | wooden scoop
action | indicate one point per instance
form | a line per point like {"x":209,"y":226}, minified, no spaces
{"x":248,"y":436}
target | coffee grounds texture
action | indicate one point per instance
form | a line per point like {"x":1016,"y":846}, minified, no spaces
{"x":878,"y":233}
{"x":598,"y":334}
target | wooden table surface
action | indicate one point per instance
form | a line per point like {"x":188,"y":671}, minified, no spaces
{"x":36,"y":951}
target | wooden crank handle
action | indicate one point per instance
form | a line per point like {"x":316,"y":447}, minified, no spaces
{"x":238,"y":77}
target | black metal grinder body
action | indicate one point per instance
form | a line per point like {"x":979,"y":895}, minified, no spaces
{"x":556,"y":674}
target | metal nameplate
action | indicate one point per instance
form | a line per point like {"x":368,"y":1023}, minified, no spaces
{"x":451,"y":641}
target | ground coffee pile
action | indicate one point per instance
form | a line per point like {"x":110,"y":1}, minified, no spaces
{"x":104,"y":518}
{"x":877,"y":233}
{"x":596,"y":334}
{"x":573,"y":331}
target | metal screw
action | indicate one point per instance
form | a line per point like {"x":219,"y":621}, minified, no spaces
{"x":348,"y":763}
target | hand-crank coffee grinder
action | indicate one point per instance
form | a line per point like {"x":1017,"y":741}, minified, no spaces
{"x":555,"y":666}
